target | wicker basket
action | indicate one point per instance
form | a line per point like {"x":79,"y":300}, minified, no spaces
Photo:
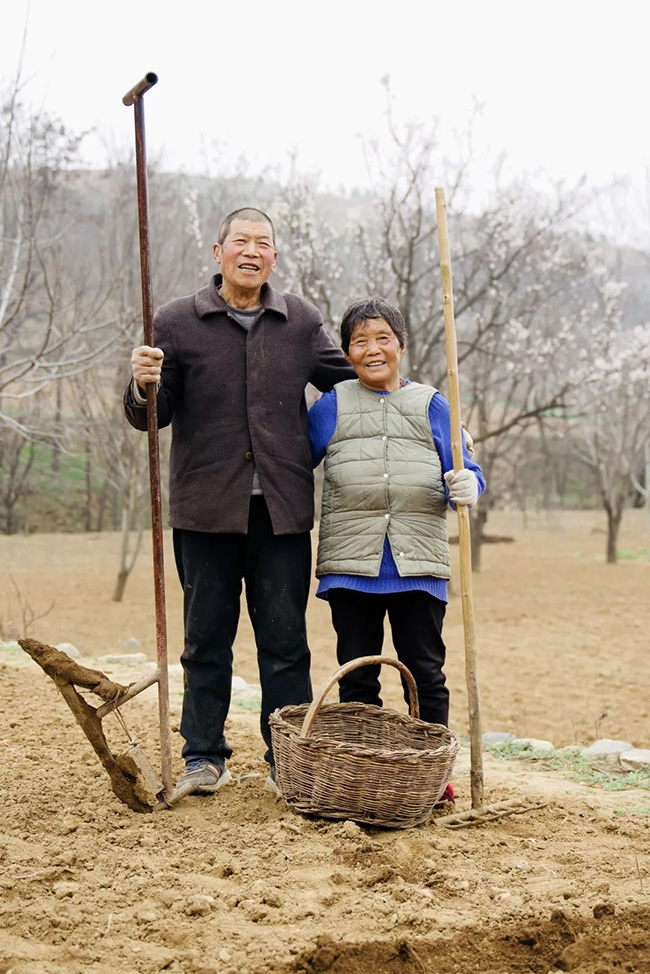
{"x":361,"y":762}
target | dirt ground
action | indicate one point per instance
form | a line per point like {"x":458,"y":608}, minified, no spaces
{"x":240,"y":884}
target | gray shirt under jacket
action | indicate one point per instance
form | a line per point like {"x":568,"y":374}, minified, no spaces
{"x":236,"y":401}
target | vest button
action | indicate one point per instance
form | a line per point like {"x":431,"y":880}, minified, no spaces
{"x":248,"y":455}
{"x":386,"y":516}
{"x":383,"y":437}
{"x":401,"y":554}
{"x":385,"y":476}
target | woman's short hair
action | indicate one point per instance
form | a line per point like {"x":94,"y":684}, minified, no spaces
{"x":367,"y":308}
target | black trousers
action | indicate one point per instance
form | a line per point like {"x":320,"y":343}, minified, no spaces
{"x":276,"y":570}
{"x":416,"y":624}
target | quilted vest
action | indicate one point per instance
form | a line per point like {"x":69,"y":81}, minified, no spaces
{"x":383,"y":476}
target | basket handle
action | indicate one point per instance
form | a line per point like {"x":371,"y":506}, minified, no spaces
{"x":314,"y":707}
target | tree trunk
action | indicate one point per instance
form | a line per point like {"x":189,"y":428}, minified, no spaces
{"x":88,"y":504}
{"x":114,"y":509}
{"x":101,"y":509}
{"x":56,"y":445}
{"x":124,"y":570}
{"x":614,"y":517}
{"x":120,"y":584}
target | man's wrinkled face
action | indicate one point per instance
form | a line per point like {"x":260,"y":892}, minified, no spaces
{"x":375,"y":354}
{"x":247,"y":255}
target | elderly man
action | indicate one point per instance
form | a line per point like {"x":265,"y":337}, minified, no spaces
{"x":233,"y":361}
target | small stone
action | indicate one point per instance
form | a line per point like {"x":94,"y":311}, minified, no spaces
{"x":494,"y":892}
{"x":535,"y":744}
{"x":69,"y":649}
{"x":146,"y":916}
{"x":497,"y":737}
{"x":636,"y":759}
{"x":199,"y":906}
{"x":273,"y":898}
{"x":132,"y":645}
{"x":605,"y":750}
{"x":254,"y":911}
{"x":238,"y":683}
{"x":351,"y":829}
{"x":63,"y":890}
{"x":168,"y":897}
{"x":602,"y":910}
{"x":224,"y":955}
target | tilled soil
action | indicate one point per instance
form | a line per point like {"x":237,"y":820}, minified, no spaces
{"x":240,"y":884}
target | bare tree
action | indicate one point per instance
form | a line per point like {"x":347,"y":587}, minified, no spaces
{"x":517,"y":266}
{"x":314,"y":254}
{"x":614,"y":405}
{"x":54,"y":320}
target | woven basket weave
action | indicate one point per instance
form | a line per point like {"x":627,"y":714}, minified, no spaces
{"x":360,"y":762}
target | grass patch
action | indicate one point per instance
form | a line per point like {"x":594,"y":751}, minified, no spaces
{"x":616,"y":779}
{"x":10,"y":649}
{"x":635,"y":554}
{"x":252,"y":705}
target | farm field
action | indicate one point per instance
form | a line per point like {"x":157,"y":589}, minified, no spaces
{"x":239,"y":884}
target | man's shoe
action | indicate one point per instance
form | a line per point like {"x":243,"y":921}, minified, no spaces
{"x":204,"y":777}
{"x":448,"y":797}
{"x":271,"y":783}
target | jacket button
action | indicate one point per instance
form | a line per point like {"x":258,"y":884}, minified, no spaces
{"x":248,"y":456}
{"x":386,"y":516}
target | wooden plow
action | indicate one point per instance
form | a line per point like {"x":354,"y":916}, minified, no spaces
{"x":479,"y":813}
{"x":133,"y":778}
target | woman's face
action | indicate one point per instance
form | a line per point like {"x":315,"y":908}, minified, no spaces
{"x":375,"y":354}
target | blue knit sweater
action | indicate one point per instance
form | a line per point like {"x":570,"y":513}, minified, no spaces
{"x":322,"y":424}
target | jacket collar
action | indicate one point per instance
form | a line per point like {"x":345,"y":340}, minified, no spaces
{"x":207,"y":301}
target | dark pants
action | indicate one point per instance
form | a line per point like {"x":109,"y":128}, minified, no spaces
{"x":416,"y":624}
{"x":276,"y":570}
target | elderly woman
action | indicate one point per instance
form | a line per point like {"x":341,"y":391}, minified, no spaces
{"x":384,"y":547}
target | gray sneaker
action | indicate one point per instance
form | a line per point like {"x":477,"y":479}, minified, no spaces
{"x":203,"y":778}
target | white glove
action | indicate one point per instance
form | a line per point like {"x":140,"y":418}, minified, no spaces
{"x":463,"y":487}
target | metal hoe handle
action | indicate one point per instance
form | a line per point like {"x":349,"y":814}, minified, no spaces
{"x":414,"y":706}
{"x":137,"y":91}
{"x":135,"y":98}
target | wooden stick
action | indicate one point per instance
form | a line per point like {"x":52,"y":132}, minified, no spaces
{"x":467,"y":597}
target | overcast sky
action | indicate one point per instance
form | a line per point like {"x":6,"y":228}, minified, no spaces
{"x":564,"y":85}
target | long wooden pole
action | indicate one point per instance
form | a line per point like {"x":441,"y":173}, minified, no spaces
{"x":467,"y":596}
{"x":135,"y":97}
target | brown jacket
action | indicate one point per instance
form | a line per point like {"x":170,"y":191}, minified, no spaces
{"x":234,"y":397}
